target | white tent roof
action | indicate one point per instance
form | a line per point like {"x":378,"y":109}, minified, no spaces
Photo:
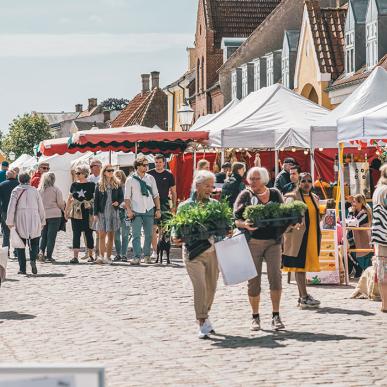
{"x":22,"y":160}
{"x":368,"y":125}
{"x":369,"y":94}
{"x":272,"y":117}
{"x":202,"y":121}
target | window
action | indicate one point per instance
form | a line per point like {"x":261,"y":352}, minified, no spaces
{"x":234,"y":85}
{"x":245,"y":89}
{"x":350,"y":52}
{"x":202,"y":76}
{"x":372,"y":44}
{"x":285,"y":71}
{"x":270,"y":70}
{"x":197,"y":76}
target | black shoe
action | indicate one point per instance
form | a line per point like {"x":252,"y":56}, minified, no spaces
{"x":124,"y":259}
{"x":117,"y":258}
{"x":22,"y":272}
{"x":74,"y":260}
{"x":33,"y":267}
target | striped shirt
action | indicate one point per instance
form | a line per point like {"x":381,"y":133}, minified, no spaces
{"x":379,"y":219}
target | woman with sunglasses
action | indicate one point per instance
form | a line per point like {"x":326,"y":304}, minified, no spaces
{"x":79,"y":209}
{"x":107,"y":200}
{"x":302,"y":242}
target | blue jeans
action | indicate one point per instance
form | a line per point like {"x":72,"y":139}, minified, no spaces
{"x":121,"y":236}
{"x":142,"y":221}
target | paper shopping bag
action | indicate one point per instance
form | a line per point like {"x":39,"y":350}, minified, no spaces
{"x":235,"y":261}
{"x":16,"y":241}
{"x":3,"y":262}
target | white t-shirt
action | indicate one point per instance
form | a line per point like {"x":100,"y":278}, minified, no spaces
{"x":93,"y":179}
{"x":139,"y":202}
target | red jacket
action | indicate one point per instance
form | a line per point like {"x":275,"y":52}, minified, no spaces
{"x":35,"y":180}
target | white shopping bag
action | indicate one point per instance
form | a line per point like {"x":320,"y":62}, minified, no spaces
{"x":235,"y":261}
{"x":3,"y":262}
{"x":16,"y":241}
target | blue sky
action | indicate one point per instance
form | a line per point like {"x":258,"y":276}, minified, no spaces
{"x":55,"y":54}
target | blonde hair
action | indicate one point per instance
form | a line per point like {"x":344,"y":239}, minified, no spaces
{"x":383,"y":175}
{"x":202,"y":164}
{"x":103,"y":181}
{"x":47,"y":180}
{"x":120,"y":175}
{"x":361,"y":199}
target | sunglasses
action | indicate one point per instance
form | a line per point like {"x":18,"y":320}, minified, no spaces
{"x":306,"y":181}
{"x":45,"y":168}
{"x":78,"y":173}
{"x":144,"y":165}
{"x":109,"y":170}
{"x":94,"y":165}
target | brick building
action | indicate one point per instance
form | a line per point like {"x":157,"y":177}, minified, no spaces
{"x":147,"y":108}
{"x":218,"y":20}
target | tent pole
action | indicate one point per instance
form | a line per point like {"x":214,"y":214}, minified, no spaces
{"x":194,"y":160}
{"x":135,"y":149}
{"x":312,"y":163}
{"x":222,"y":156}
{"x":276,"y":159}
{"x":342,"y":202}
{"x":110,"y":157}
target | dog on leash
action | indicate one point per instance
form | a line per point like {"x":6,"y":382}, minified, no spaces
{"x":164,"y":244}
{"x":367,"y":286}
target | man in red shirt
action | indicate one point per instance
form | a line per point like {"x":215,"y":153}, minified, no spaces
{"x":42,"y":168}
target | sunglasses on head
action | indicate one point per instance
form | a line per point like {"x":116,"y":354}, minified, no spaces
{"x":306,"y":181}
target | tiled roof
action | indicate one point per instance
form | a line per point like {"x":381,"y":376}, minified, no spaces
{"x":236,"y":18}
{"x":82,"y":125}
{"x":328,"y":27}
{"x":91,"y":112}
{"x":57,"y":118}
{"x":134,"y":106}
{"x":357,"y":77}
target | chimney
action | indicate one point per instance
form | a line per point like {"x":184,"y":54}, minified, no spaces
{"x":145,"y":82}
{"x":106,"y":115}
{"x":155,"y":79}
{"x":92,"y":103}
{"x":78,"y":107}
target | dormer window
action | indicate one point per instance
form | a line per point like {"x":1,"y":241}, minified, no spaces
{"x":350,"y":52}
{"x":372,"y":44}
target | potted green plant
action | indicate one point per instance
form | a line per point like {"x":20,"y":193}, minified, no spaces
{"x":275,"y":214}
{"x":201,"y":221}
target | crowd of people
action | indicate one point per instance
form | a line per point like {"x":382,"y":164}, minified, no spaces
{"x":106,"y":208}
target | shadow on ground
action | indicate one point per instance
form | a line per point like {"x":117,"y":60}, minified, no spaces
{"x":327,"y":310}
{"x":275,"y":340}
{"x":47,"y":275}
{"x":12,"y":315}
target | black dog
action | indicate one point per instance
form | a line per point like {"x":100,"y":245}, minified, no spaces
{"x":164,"y":244}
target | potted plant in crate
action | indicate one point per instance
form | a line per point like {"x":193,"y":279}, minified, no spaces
{"x":276,"y":214}
{"x":201,"y":221}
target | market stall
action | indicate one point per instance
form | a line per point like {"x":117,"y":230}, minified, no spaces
{"x":368,"y":128}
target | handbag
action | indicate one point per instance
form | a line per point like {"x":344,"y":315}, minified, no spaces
{"x":235,"y":260}
{"x":16,"y":240}
{"x":63,"y":221}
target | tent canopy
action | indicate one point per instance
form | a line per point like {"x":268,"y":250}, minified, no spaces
{"x":272,"y":117}
{"x":148,"y":140}
{"x":369,"y":94}
{"x":205,"y":120}
{"x":368,"y":125}
{"x":22,"y":162}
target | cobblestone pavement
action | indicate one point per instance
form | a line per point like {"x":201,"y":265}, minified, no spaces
{"x":139,"y":323}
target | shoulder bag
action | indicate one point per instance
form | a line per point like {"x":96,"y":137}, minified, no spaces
{"x":16,"y":240}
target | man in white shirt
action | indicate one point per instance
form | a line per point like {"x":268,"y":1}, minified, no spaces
{"x":95,"y":170}
{"x":143,"y":205}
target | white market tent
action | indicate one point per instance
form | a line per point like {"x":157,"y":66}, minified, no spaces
{"x":23,"y":162}
{"x":272,"y":117}
{"x":205,"y":120}
{"x":368,"y":125}
{"x":368,"y":95}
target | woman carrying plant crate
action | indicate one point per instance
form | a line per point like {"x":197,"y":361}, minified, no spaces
{"x":302,"y":242}
{"x":265,"y":244}
{"x":199,"y":253}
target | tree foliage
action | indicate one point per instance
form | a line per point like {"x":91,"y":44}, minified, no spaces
{"x":114,"y":104}
{"x":24,"y":133}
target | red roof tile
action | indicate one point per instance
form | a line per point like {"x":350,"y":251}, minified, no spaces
{"x":236,"y":18}
{"x":132,"y":109}
{"x":327,"y":26}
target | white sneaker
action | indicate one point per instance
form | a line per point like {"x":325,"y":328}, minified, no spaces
{"x":107,"y":260}
{"x":154,"y":255}
{"x":203,"y":332}
{"x":99,"y":261}
{"x":147,"y":260}
{"x":209,"y":327}
{"x":135,"y":261}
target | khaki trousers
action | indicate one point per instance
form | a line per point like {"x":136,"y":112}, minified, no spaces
{"x":204,"y":273}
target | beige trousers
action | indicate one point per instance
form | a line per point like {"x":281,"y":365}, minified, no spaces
{"x":204,"y":273}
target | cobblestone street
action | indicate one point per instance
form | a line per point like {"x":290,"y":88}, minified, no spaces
{"x":139,"y":323}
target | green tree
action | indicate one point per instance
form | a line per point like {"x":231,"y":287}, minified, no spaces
{"x":24,"y":133}
{"x":115,"y":103}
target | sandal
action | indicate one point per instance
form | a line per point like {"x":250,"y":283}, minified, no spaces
{"x":91,"y":259}
{"x":74,"y":260}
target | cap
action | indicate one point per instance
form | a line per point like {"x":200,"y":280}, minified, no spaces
{"x":5,"y":164}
